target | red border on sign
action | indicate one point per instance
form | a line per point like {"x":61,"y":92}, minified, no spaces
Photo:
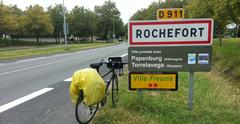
{"x":207,"y":42}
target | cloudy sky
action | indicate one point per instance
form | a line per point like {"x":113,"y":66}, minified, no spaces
{"x":126,"y":7}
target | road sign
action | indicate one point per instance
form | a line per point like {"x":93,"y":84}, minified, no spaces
{"x":155,"y":81}
{"x":178,"y":32}
{"x":172,"y":13}
{"x":170,"y":58}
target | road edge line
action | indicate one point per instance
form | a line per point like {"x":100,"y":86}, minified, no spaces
{"x":21,"y":100}
{"x":124,"y":55}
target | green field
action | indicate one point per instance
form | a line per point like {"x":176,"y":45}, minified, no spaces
{"x":216,"y":97}
{"x":226,"y":59}
{"x":16,"y":52}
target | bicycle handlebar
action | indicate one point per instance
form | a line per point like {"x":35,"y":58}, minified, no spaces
{"x":111,"y":65}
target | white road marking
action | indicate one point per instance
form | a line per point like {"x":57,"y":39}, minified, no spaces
{"x":19,"y":101}
{"x":29,"y":60}
{"x":32,"y":67}
{"x":69,"y":79}
{"x":124,"y":55}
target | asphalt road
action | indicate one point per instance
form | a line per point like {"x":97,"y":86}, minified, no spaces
{"x":33,"y":91}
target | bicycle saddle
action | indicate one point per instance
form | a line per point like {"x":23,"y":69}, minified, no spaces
{"x":96,"y":65}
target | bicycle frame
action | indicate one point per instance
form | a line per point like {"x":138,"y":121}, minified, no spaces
{"x":104,"y":75}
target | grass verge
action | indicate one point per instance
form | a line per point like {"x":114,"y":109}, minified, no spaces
{"x":226,"y":58}
{"x":29,"y":52}
{"x":215,"y":102}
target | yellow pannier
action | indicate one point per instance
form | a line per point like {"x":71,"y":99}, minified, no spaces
{"x":90,"y":82}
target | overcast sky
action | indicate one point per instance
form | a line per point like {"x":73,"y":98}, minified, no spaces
{"x":126,"y":7}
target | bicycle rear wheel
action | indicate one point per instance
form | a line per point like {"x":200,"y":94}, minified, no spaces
{"x":114,"y":89}
{"x":84,"y":114}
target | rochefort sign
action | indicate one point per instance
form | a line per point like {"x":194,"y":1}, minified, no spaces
{"x":179,"y":32}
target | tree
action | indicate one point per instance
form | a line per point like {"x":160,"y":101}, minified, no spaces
{"x":91,"y":23}
{"x":17,"y":23}
{"x":106,"y":14}
{"x":233,"y":9}
{"x":56,"y":14}
{"x":118,"y":28}
{"x":215,"y":9}
{"x":6,"y":21}
{"x":139,"y":15}
{"x":151,"y":12}
{"x":77,"y":22}
{"x":38,"y":22}
{"x":173,"y":3}
{"x":2,"y":14}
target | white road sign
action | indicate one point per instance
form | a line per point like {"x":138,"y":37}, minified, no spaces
{"x":179,"y":32}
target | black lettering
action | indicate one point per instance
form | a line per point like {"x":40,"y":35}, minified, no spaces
{"x":181,"y":13}
{"x":161,"y":14}
{"x":138,"y":33}
{"x":146,"y":33}
{"x":176,"y":13}
{"x":153,"y":34}
{"x":162,"y":32}
{"x":169,"y":14}
{"x":170,"y":32}
{"x":185,"y":32}
{"x":201,"y":31}
{"x":193,"y":32}
{"x":177,"y":31}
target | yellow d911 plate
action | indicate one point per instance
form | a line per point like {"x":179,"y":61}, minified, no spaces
{"x":173,"y":13}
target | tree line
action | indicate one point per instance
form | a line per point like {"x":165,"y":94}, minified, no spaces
{"x":223,"y":12}
{"x":103,"y":22}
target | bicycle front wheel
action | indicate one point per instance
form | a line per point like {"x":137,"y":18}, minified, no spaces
{"x":114,"y":89}
{"x":84,"y":114}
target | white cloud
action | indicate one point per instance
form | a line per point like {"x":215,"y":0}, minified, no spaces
{"x":126,"y":7}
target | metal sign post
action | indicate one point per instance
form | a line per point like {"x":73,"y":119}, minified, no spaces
{"x":64,"y":25}
{"x":190,"y":96}
{"x":140,"y":93}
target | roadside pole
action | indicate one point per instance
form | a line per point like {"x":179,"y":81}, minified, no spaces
{"x":140,"y":93}
{"x":190,"y":96}
{"x":113,"y":30}
{"x":64,"y":25}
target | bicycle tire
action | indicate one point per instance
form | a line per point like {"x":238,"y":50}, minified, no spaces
{"x":80,"y":119}
{"x":114,"y":90}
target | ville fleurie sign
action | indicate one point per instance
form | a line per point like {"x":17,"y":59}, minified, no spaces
{"x":172,"y":32}
{"x":169,"y":58}
{"x":153,"y":81}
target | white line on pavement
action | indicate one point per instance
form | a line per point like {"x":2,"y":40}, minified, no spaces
{"x":29,"y":60}
{"x":124,"y":55}
{"x":32,"y":67}
{"x":69,"y":79}
{"x":23,"y":99}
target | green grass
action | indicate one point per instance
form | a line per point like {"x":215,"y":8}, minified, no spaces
{"x":15,"y":53}
{"x":215,"y":102}
{"x":226,"y":59}
{"x":216,"y":99}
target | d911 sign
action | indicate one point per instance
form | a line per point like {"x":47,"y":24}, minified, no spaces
{"x":174,"y":13}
